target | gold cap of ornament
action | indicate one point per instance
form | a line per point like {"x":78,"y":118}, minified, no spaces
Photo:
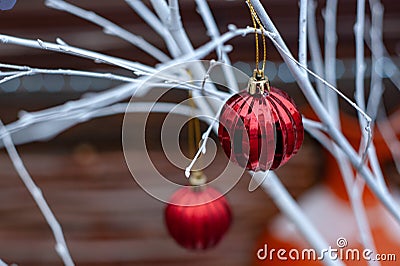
{"x":258,"y":83}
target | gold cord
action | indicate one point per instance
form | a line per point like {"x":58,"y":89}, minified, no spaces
{"x":193,"y":130}
{"x":257,"y":22}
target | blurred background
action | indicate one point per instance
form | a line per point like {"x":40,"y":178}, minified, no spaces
{"x":106,"y":217}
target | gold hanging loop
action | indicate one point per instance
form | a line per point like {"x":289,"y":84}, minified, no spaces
{"x":259,"y":82}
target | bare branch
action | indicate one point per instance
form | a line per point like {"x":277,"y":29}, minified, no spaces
{"x":67,"y":49}
{"x":61,"y":246}
{"x":303,"y":32}
{"x":109,"y":28}
{"x":144,"y":12}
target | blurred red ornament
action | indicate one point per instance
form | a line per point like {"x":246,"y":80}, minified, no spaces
{"x":197,"y":217}
{"x":260,"y":128}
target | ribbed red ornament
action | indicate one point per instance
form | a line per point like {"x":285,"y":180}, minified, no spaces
{"x":197,"y":218}
{"x":260,"y":131}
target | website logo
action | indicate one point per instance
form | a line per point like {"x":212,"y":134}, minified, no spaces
{"x":341,"y":252}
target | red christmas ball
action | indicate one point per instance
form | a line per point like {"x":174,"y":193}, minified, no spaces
{"x":197,"y":218}
{"x":260,"y":130}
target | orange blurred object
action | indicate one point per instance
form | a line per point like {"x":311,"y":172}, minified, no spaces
{"x":328,"y":208}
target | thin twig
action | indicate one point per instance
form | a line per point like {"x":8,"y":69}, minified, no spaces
{"x":28,"y":71}
{"x":360,"y":64}
{"x":303,"y":32}
{"x":330,"y":86}
{"x":151,"y":19}
{"x":376,"y":90}
{"x":61,"y":246}
{"x":204,"y":138}
{"x":197,"y":70}
{"x":366,"y":142}
{"x":68,"y":49}
{"x":389,"y":136}
{"x":162,"y":10}
{"x":18,"y":75}
{"x":109,"y":28}
{"x":395,"y":76}
{"x":331,"y":98}
{"x":214,"y":33}
{"x":376,"y":37}
{"x":315,"y":48}
{"x":75,"y":112}
{"x":360,"y":71}
{"x":332,"y":103}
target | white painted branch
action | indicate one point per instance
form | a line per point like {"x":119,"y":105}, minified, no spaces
{"x":303,"y":32}
{"x":315,"y":49}
{"x":207,"y":48}
{"x":330,"y":86}
{"x":14,"y":76}
{"x":176,"y":28}
{"x":360,"y":64}
{"x":331,"y":99}
{"x":144,"y":12}
{"x":61,"y":246}
{"x":332,"y":103}
{"x":304,"y":83}
{"x":8,"y":73}
{"x":360,"y":71}
{"x":162,"y":10}
{"x":109,"y":28}
{"x":322,"y":138}
{"x":84,"y":104}
{"x":354,"y":192}
{"x":376,"y":90}
{"x":55,"y":120}
{"x":204,"y":138}
{"x":2,"y":263}
{"x":395,"y":77}
{"x":197,"y":70}
{"x":376,"y":37}
{"x":28,"y":71}
{"x":202,"y":147}
{"x":214,"y":33}
{"x":390,"y":138}
{"x":357,"y":202}
{"x":143,"y":107}
{"x":313,"y":124}
{"x":67,"y":49}
{"x":359,"y":94}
